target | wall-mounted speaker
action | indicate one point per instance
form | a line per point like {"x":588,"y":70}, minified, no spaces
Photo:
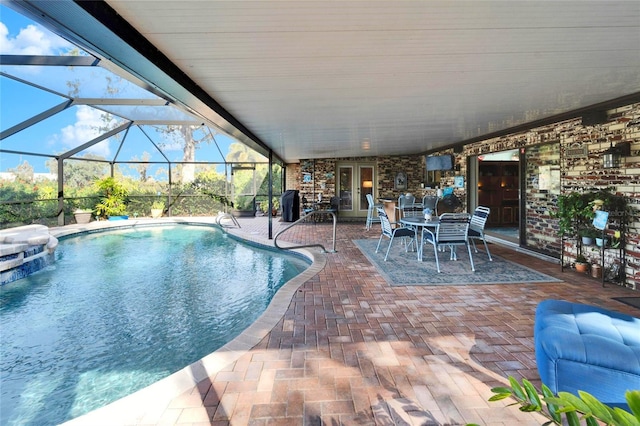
{"x":592,"y":118}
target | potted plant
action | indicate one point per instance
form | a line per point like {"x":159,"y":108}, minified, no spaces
{"x":602,"y":242}
{"x":114,"y":198}
{"x":275,"y":205}
{"x":157,"y":208}
{"x":82,"y":216}
{"x":574,"y":212}
{"x":582,"y":265}
{"x":588,"y":234}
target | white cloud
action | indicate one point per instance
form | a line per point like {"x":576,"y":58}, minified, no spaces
{"x":86,"y":128}
{"x":31,"y":40}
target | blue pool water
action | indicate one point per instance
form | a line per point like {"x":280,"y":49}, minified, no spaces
{"x":122,"y":309}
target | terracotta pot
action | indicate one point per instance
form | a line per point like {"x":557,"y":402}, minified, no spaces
{"x":582,"y":267}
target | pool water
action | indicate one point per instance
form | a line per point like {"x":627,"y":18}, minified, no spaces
{"x":120,"y":310}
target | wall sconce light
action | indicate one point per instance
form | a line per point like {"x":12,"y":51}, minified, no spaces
{"x":367,"y":184}
{"x":612,"y":156}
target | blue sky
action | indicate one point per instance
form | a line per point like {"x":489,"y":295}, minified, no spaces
{"x":76,"y":125}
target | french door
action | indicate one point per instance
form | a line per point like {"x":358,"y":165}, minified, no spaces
{"x":355,"y":181}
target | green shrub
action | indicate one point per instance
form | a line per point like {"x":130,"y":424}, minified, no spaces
{"x":567,"y":408}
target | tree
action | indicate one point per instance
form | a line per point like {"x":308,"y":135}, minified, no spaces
{"x":187,"y":137}
{"x":80,"y":173}
{"x":240,"y":153}
{"x":23,"y":172}
{"x":143,"y":166}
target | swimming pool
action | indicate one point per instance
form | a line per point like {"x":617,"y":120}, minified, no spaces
{"x":121,"y":310}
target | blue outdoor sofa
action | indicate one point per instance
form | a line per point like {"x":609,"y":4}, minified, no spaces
{"x":582,"y":347}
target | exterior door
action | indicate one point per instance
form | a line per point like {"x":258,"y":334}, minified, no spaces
{"x":355,"y":181}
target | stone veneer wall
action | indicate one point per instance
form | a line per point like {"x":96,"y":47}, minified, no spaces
{"x":322,"y":172}
{"x":582,"y":173}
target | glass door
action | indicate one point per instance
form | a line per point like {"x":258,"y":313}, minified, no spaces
{"x":366,"y":183}
{"x":355,"y":181}
{"x":345,"y":189}
{"x":497,"y":179}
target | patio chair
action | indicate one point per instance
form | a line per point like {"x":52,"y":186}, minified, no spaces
{"x":409,"y":199}
{"x":452,"y":231}
{"x":323,"y":210}
{"x":411,"y":210}
{"x":407,"y":206}
{"x":476,"y":228}
{"x":371,"y":210}
{"x":306,"y":209}
{"x":430,"y":201}
{"x":391,"y":233}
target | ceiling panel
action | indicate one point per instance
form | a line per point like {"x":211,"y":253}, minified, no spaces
{"x":316,"y":79}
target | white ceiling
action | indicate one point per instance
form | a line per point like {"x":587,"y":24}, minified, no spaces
{"x":315,"y":79}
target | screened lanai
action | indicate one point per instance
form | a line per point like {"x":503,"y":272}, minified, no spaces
{"x":70,"y":119}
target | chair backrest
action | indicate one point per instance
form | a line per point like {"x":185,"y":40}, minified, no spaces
{"x":411,"y":210}
{"x":401,"y":201}
{"x":430,"y":201}
{"x":479,"y":218}
{"x":409,"y":199}
{"x":370,"y":200}
{"x":384,"y":222}
{"x":453,"y":228}
{"x":334,"y":202}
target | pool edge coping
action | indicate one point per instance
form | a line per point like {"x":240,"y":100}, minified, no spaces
{"x":149,"y":404}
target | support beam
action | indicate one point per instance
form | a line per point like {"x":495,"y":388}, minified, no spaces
{"x":92,"y":142}
{"x":60,"y":192}
{"x":270,"y":193}
{"x":35,"y":119}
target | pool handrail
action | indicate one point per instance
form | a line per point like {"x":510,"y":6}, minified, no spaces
{"x":335,"y":224}
{"x":227,"y":216}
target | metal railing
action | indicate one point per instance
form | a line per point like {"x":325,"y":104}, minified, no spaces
{"x":227,"y":216}
{"x":335,"y":225}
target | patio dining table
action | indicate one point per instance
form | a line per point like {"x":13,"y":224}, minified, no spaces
{"x":418,"y":223}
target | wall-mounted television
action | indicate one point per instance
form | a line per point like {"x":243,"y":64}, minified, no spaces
{"x":439,"y":162}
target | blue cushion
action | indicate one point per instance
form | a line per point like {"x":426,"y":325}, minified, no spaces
{"x":582,"y":347}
